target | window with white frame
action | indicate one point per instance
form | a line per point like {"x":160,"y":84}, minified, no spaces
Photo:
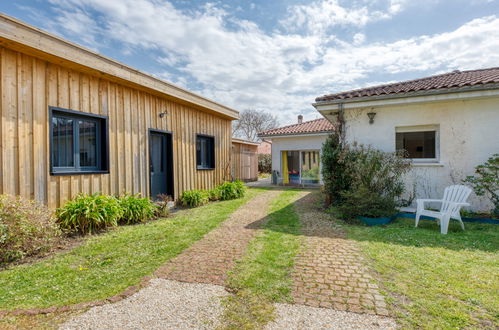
{"x":421,"y":143}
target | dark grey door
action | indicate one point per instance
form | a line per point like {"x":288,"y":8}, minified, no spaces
{"x":160,"y":163}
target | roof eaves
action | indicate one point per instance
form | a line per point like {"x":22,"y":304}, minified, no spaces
{"x":19,"y":32}
{"x":297,"y":133}
{"x":429,"y":92}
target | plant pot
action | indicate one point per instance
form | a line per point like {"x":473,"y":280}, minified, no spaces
{"x":376,"y":221}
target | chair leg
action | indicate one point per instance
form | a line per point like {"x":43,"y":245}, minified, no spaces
{"x":458,"y":217}
{"x":417,"y":219}
{"x":462,"y":223}
{"x":444,"y":224}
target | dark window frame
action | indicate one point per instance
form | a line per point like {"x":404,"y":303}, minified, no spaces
{"x":102,"y":142}
{"x":212,"y":152}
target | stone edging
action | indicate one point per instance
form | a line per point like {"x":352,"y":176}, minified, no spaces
{"x":36,"y":311}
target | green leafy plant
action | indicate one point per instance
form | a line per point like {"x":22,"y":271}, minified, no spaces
{"x":194,"y":198}
{"x":214,"y":194}
{"x":485,"y":182}
{"x":136,"y":209}
{"x":231,"y":190}
{"x":335,"y":176}
{"x":89,"y":213}
{"x":354,"y":171}
{"x":365,"y":203}
{"x":26,"y":228}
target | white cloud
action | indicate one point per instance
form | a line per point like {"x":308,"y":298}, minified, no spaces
{"x":281,"y":72}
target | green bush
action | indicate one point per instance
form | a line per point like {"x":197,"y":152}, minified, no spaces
{"x":335,"y":176}
{"x":136,"y":209}
{"x":89,"y":213}
{"x":26,"y":228}
{"x":232,"y":190}
{"x":486,"y":181}
{"x":194,"y":198}
{"x":214,"y":194}
{"x":367,"y":180}
{"x":363,"y":202}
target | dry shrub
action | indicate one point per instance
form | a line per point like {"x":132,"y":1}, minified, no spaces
{"x":27,"y":228}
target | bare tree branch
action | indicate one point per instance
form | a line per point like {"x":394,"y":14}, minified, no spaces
{"x":251,"y":122}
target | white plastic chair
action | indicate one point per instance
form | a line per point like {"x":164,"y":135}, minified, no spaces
{"x":454,"y":198}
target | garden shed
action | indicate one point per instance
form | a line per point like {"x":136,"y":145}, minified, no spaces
{"x":75,"y":121}
{"x":244,"y":160}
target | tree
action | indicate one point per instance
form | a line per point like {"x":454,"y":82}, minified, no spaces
{"x":485,"y":182}
{"x":251,"y":122}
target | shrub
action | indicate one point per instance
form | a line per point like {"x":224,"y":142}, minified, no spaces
{"x":214,"y":194}
{"x":352,"y":173}
{"x":136,"y":209}
{"x":26,"y":228}
{"x":380,"y":172}
{"x":334,"y":164}
{"x":363,"y":202}
{"x":89,"y":213}
{"x":264,"y":163}
{"x":194,"y":198}
{"x":486,"y":181}
{"x":232,"y":190}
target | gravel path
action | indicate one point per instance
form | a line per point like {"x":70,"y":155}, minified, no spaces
{"x":305,"y":317}
{"x":164,"y":304}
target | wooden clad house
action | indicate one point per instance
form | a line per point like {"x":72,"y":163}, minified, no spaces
{"x":74,"y":121}
{"x":244,"y":160}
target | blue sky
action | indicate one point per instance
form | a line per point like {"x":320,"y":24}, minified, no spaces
{"x":277,"y":55}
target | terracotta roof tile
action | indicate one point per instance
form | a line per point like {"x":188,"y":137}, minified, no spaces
{"x":455,"y":79}
{"x":312,"y":126}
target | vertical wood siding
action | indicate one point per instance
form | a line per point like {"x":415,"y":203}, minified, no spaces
{"x":29,"y":86}
{"x":244,"y":160}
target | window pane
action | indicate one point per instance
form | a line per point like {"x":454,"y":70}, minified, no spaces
{"x":417,"y":144}
{"x":205,"y":152}
{"x":62,"y":142}
{"x":88,"y":143}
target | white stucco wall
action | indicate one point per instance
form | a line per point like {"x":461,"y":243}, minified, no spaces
{"x":294,"y":143}
{"x":468,"y":136}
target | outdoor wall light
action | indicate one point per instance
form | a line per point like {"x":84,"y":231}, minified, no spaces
{"x":163,"y":114}
{"x":371,"y":117}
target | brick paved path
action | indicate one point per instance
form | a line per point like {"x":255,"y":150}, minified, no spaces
{"x":209,"y":260}
{"x":330,"y":272}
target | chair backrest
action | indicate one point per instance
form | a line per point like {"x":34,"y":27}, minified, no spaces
{"x":457,"y":194}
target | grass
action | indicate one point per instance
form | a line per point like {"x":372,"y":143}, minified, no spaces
{"x":107,"y":264}
{"x":262,"y":277}
{"x":436,"y":281}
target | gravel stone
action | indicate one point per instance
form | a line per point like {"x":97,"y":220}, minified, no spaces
{"x":163,"y":304}
{"x":306,"y":317}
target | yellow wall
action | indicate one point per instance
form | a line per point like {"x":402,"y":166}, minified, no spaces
{"x":30,"y":85}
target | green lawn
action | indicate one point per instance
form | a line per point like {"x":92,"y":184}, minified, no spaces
{"x":107,"y":264}
{"x":263,"y":276}
{"x":436,"y":281}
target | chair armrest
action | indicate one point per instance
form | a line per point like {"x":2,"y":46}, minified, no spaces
{"x":460,"y":204}
{"x":429,"y":200}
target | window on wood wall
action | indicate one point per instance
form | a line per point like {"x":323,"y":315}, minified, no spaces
{"x":78,"y":142}
{"x":205,"y":152}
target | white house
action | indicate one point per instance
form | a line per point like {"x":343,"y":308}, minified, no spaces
{"x":296,"y":150}
{"x":447,"y":123}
